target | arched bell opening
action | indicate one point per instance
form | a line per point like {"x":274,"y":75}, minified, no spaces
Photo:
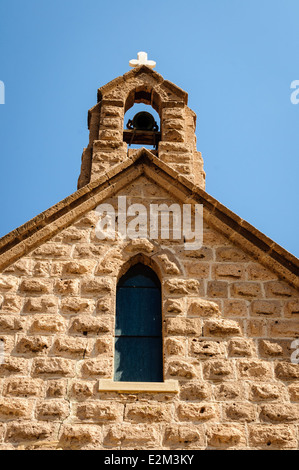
{"x":142,"y":123}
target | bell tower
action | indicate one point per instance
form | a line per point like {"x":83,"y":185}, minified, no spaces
{"x":174,"y":143}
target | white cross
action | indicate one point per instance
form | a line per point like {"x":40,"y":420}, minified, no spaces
{"x":142,"y":60}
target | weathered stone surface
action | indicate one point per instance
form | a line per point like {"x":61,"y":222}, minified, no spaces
{"x":74,"y":305}
{"x":28,"y":431}
{"x":67,"y":287}
{"x":12,"y":303}
{"x":287,"y":371}
{"x":228,"y":391}
{"x":143,"y":435}
{"x":203,"y":308}
{"x":278,"y":413}
{"x":240,"y":347}
{"x":184,"y":435}
{"x":52,"y":410}
{"x":11,"y":324}
{"x":226,"y":436}
{"x":182,"y":286}
{"x":97,"y":367}
{"x":183,"y":326}
{"x":88,"y":325}
{"x":56,"y":388}
{"x":265,"y":307}
{"x":48,"y":324}
{"x":272,"y":437}
{"x":206,"y":349}
{"x":33,"y":345}
{"x":246,"y":290}
{"x":71,"y":347}
{"x":102,"y":412}
{"x":197,"y":412}
{"x":74,"y":437}
{"x":36,"y":286}
{"x":97,"y":286}
{"x":218,"y":370}
{"x":53,"y":367}
{"x":276,"y":289}
{"x":181,"y":369}
{"x":195,"y":390}
{"x":175,"y":347}
{"x":44,"y":304}
{"x":265,"y":391}
{"x":15,"y":408}
{"x":217,"y":289}
{"x":81,"y":389}
{"x":52,"y":250}
{"x":23,"y":387}
{"x":148,"y":412}
{"x":221,"y":328}
{"x":240,"y":412}
{"x":254,"y":369}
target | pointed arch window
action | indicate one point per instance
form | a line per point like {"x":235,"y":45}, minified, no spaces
{"x":138,"y":327}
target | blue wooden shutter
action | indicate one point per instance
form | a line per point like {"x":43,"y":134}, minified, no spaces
{"x":138,"y":327}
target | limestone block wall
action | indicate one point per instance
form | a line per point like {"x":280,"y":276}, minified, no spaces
{"x":228,"y":325}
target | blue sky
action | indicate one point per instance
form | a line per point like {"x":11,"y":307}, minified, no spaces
{"x":235,"y":58}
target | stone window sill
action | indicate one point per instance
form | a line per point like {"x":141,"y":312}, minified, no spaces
{"x":108,"y":385}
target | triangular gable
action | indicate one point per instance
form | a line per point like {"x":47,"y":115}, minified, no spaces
{"x":40,"y":229}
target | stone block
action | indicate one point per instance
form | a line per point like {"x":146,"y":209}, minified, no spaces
{"x":15,"y":408}
{"x":148,"y":412}
{"x":12,"y":303}
{"x":74,"y":305}
{"x":197,"y":412}
{"x":52,"y":410}
{"x":262,"y":436}
{"x":52,"y":367}
{"x":287,"y":371}
{"x":219,"y":327}
{"x":126,"y":435}
{"x":242,"y":412}
{"x":178,"y":435}
{"x":226,"y":436}
{"x":230,"y":254}
{"x":279,"y":413}
{"x":36,"y":286}
{"x":248,"y":290}
{"x":255,"y":369}
{"x":265,"y":391}
{"x":56,"y":388}
{"x":228,"y":391}
{"x":203,"y":308}
{"x":195,"y":390}
{"x":183,"y":326}
{"x":218,"y":370}
{"x":52,"y":250}
{"x":29,"y":431}
{"x":97,"y":367}
{"x":183,"y":287}
{"x":23,"y":387}
{"x":181,"y":368}
{"x":88,"y":325}
{"x":217,"y":289}
{"x":206,"y":349}
{"x":279,"y":289}
{"x":228,"y":271}
{"x":240,"y":347}
{"x":235,"y":308}
{"x":80,"y":390}
{"x":67,"y":287}
{"x":33,"y":345}
{"x":48,"y":324}
{"x":43,"y":304}
{"x":265,"y":308}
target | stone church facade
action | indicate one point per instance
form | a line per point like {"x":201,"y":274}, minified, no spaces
{"x":229,"y":309}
